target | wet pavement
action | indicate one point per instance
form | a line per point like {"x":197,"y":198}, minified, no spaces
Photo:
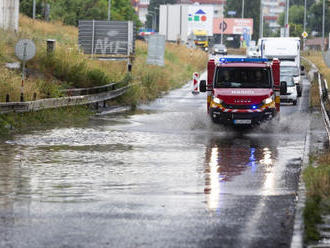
{"x":165,"y":177}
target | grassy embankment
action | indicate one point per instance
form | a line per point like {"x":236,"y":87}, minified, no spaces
{"x":317,"y":175}
{"x":69,"y":68}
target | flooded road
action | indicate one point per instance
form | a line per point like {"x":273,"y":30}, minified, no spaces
{"x":166,"y":177}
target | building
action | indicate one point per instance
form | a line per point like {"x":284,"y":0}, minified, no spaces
{"x":272,"y":10}
{"x":9,"y":14}
{"x":218,"y":5}
{"x":141,"y":9}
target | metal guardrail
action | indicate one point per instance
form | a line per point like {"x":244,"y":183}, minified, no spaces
{"x":324,"y":96}
{"x":65,"y":101}
{"x":89,"y":91}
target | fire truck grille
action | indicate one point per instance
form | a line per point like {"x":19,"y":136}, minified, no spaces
{"x":233,"y":106}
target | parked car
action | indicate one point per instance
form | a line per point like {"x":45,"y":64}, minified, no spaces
{"x":219,"y":49}
{"x":290,"y":68}
{"x":252,"y":52}
{"x":292,"y":94}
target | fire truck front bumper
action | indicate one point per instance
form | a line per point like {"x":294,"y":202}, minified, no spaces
{"x":239,"y":117}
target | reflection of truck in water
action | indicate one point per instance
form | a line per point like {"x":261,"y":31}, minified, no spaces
{"x":243,"y":91}
{"x":201,"y":39}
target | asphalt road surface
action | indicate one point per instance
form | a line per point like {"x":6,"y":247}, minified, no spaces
{"x":162,"y":177}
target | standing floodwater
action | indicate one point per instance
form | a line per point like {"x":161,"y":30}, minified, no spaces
{"x":166,"y":177}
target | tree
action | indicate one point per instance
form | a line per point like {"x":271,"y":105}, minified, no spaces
{"x":71,"y":11}
{"x":315,"y":17}
{"x":302,"y":3}
{"x":251,"y":10}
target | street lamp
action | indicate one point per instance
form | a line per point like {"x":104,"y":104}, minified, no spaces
{"x":222,"y":25}
{"x":287,"y":7}
{"x":323,"y":20}
{"x":34,"y":10}
{"x":261,"y":24}
{"x":305,"y":17}
{"x":109,"y":9}
{"x":243,"y":9}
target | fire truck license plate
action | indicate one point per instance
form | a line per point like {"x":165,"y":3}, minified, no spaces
{"x":242,"y":121}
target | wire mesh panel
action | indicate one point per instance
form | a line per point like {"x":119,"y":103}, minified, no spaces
{"x":107,"y":37}
{"x":156,"y":50}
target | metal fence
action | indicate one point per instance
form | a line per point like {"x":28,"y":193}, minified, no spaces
{"x":324,"y":95}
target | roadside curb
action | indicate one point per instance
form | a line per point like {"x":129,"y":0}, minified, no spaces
{"x":298,"y":227}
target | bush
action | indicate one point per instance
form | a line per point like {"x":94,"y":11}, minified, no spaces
{"x":97,"y":77}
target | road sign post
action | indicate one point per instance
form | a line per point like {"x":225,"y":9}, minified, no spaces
{"x":25,"y":50}
{"x":304,"y":35}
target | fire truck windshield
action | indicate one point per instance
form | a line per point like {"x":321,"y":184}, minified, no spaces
{"x":243,"y":77}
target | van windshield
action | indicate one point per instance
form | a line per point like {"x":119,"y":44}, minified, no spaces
{"x":243,"y":77}
{"x":289,"y":70}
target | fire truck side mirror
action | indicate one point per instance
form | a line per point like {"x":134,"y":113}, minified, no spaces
{"x":284,"y":88}
{"x":202,"y":86}
{"x":302,"y":70}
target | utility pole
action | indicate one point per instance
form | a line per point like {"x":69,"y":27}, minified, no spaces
{"x":287,"y":7}
{"x":109,"y":10}
{"x":223,"y":22}
{"x":34,"y":10}
{"x":261,"y":24}
{"x":242,"y":9}
{"x":323,"y":20}
{"x":305,"y":17}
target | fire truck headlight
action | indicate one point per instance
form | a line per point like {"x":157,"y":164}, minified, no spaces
{"x":268,"y":100}
{"x":217,"y":100}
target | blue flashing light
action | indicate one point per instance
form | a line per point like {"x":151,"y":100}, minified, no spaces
{"x":254,"y":107}
{"x":237,"y":60}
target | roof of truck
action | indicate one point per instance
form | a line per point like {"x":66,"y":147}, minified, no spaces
{"x":245,"y":64}
{"x":242,"y":62}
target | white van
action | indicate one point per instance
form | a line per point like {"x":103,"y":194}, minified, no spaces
{"x":291,"y":69}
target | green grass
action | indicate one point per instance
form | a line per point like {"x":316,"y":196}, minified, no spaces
{"x":21,"y":122}
{"x":317,"y":181}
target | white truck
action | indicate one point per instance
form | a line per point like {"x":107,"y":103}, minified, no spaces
{"x":284,"y":49}
{"x":179,"y":21}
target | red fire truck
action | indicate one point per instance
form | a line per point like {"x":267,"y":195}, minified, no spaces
{"x":243,"y":91}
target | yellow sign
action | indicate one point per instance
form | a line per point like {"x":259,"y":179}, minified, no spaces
{"x":304,"y":34}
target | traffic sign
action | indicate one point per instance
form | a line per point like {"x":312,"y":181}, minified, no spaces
{"x":304,"y":34}
{"x":231,"y":12}
{"x":25,"y":49}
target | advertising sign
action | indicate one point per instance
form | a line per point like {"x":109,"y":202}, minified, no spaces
{"x":107,"y":37}
{"x":200,"y":18}
{"x":233,"y":26}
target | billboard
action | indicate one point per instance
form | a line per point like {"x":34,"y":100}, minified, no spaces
{"x":233,"y":26}
{"x":200,"y":17}
{"x":107,"y":37}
